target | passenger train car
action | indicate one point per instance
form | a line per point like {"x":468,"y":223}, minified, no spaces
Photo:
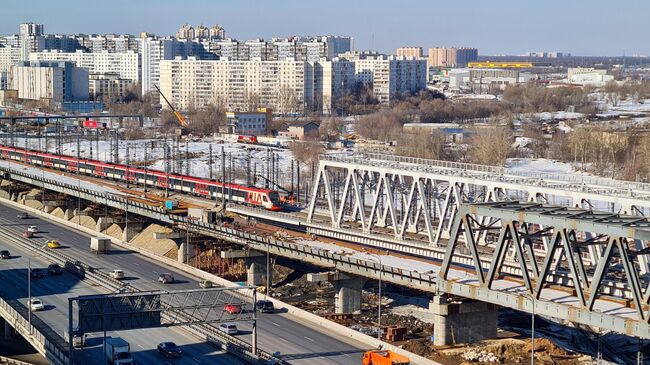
{"x":254,"y":196}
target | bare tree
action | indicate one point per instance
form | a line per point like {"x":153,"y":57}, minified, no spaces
{"x":306,"y":151}
{"x":381,"y":126}
{"x":490,"y":145}
{"x":330,"y":129}
{"x":421,"y":144}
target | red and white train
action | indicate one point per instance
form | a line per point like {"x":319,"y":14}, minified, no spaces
{"x":269,"y":199}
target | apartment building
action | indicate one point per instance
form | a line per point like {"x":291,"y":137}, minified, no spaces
{"x":389,"y":76}
{"x":125,"y":64}
{"x":308,"y":49}
{"x":412,"y":52}
{"x":152,"y":51}
{"x":107,"y":84}
{"x":285,"y":86}
{"x":451,"y":57}
{"x":56,"y":82}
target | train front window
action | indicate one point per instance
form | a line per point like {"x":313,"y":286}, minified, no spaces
{"x":275,"y":197}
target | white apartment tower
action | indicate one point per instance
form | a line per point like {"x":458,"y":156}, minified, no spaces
{"x":152,"y":51}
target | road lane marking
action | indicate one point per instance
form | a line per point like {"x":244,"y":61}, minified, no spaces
{"x":283,"y":339}
{"x":275,"y":324}
{"x":347,"y":355}
{"x":310,"y":339}
{"x":197,"y":360}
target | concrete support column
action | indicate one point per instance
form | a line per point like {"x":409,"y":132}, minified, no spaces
{"x":256,"y":270}
{"x":458,"y":322}
{"x":185,"y":252}
{"x":103,"y":223}
{"x":255,"y":265}
{"x":69,"y":214}
{"x":347,"y":296}
{"x":131,"y":230}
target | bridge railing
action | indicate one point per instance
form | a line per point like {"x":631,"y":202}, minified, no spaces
{"x":51,"y":345}
{"x":420,"y":164}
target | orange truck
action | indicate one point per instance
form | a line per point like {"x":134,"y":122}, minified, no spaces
{"x":384,"y":357}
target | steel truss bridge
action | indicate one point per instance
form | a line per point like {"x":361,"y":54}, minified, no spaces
{"x":413,"y":202}
{"x":557,"y":282}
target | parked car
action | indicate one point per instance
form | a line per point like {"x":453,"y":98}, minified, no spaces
{"x":233,"y":308}
{"x":36,"y":305}
{"x":32,"y":229}
{"x":117,"y":274}
{"x":37,"y":273}
{"x":22,"y":215}
{"x":169,"y":349}
{"x":28,"y":234}
{"x":53,"y":244}
{"x":265,"y":306}
{"x":205,"y":284}
{"x":4,"y":254}
{"x":166,"y":278}
{"x":228,"y":328}
{"x":54,"y":269}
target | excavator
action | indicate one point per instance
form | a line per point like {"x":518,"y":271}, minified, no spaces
{"x":181,"y":119}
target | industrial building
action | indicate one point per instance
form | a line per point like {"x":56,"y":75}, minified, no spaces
{"x":52,"y":81}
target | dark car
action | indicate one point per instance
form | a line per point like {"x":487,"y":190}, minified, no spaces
{"x":54,"y":269}
{"x":169,"y":349}
{"x":22,"y":215}
{"x":265,"y":306}
{"x":4,"y":254}
{"x":37,"y":274}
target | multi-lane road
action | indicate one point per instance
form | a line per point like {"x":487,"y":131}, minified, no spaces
{"x":298,"y":342}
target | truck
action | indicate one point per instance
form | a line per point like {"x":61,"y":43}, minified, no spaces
{"x":100,"y":245}
{"x":384,"y":357}
{"x":118,"y":351}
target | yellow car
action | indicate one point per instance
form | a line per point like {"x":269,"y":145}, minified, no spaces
{"x":53,"y":244}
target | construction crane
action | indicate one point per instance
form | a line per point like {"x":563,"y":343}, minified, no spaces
{"x":177,"y":114}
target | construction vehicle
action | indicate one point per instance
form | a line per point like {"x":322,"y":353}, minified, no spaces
{"x":181,"y":119}
{"x":384,"y":357}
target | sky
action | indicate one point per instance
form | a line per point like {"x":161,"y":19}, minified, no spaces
{"x":495,"y":27}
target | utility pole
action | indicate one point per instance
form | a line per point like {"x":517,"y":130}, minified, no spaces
{"x":166,"y":170}
{"x":146,"y":165}
{"x":223,"y":178}
{"x":297,"y":182}
{"x":187,"y":158}
{"x":127,"y":165}
{"x":210,"y":161}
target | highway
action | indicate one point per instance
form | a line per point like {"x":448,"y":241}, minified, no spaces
{"x":55,"y":290}
{"x":298,"y":343}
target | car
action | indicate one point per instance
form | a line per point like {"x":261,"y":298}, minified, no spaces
{"x":4,"y":254}
{"x":228,"y":328}
{"x":32,"y":229}
{"x":265,"y":306}
{"x":205,"y":284}
{"x":166,"y":278}
{"x":233,"y":308}
{"x":117,"y":274}
{"x":36,"y":305}
{"x":54,"y":269}
{"x":36,"y":273}
{"x":28,"y":234}
{"x":22,"y":215}
{"x":169,"y":349}
{"x":53,"y":244}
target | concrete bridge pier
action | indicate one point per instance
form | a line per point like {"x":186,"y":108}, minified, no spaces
{"x":347,"y":297}
{"x":103,"y":223}
{"x":465,"y":321}
{"x":255,"y":265}
{"x":131,"y":229}
{"x":185,"y":252}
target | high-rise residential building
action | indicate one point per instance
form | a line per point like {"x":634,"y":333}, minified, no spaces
{"x":285,"y":86}
{"x":117,"y":43}
{"x":125,"y":64}
{"x":9,"y":56}
{"x":152,"y":51}
{"x":189,"y":32}
{"x":451,"y":57}
{"x":389,"y":76}
{"x":337,"y":44}
{"x":55,"y":82}
{"x":31,"y":39}
{"x":413,"y":52}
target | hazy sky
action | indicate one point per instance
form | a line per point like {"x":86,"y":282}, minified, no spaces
{"x":581,"y":27}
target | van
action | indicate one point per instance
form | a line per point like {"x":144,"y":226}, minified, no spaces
{"x":265,"y":306}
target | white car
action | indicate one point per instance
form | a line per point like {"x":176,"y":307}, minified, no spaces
{"x":228,"y":328}
{"x":36,"y":305}
{"x":117,"y":274}
{"x":32,"y":229}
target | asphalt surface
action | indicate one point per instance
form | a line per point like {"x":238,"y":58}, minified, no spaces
{"x":54,"y":291}
{"x":297,"y":342}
